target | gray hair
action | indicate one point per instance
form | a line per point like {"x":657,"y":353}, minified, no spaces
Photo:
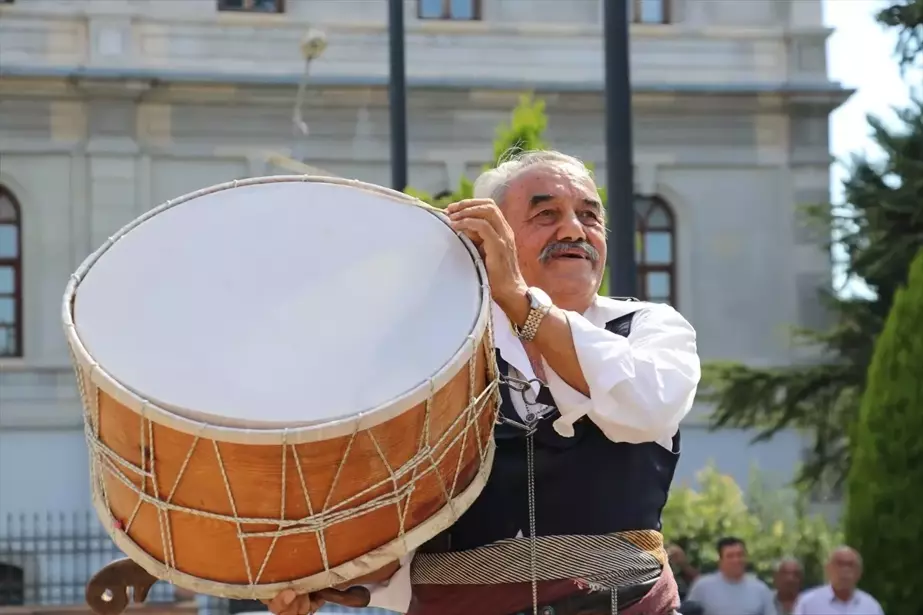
{"x":845,"y":549}
{"x":492,"y":184}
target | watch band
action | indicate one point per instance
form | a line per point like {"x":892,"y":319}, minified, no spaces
{"x":530,"y":328}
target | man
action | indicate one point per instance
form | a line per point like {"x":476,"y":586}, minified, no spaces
{"x":787,"y":581}
{"x":684,"y":572}
{"x":593,"y":393}
{"x":731,"y":591}
{"x":840,"y":596}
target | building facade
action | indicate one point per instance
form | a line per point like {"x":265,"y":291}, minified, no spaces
{"x":111,"y":107}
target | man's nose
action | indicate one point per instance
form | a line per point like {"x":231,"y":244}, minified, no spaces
{"x":571,"y":229}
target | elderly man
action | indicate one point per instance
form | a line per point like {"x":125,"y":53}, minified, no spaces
{"x":787,"y":582}
{"x":593,"y":393}
{"x":840,"y":596}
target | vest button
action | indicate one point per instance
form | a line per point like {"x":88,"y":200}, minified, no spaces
{"x":547,"y":610}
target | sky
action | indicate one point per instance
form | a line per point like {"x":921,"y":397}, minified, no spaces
{"x":860,"y":56}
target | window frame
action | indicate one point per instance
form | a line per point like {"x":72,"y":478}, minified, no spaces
{"x":641,"y":229}
{"x":223,"y":7}
{"x":666,"y":6}
{"x":447,"y":12}
{"x":15,"y":262}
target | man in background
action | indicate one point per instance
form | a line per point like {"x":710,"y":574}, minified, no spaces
{"x":840,"y":595}
{"x":731,"y":590}
{"x":787,"y":581}
{"x":685,"y":573}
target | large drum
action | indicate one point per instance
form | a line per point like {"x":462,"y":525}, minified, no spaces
{"x":287,"y":382}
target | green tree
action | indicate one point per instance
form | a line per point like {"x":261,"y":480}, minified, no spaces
{"x":883,"y":520}
{"x":773,"y":522}
{"x":879,"y":229}
{"x":524,"y":132}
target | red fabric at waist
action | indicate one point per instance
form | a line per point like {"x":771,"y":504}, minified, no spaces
{"x":662,"y":599}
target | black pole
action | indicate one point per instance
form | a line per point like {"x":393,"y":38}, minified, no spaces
{"x":619,"y":165}
{"x":397,"y":91}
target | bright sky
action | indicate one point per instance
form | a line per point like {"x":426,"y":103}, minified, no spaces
{"x":860,"y":56}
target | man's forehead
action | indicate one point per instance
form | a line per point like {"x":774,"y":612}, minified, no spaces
{"x":845,"y":557}
{"x":553,"y":180}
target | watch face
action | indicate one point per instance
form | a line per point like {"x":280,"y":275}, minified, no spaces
{"x":538,"y":298}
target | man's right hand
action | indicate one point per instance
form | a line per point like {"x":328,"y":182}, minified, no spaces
{"x":289,"y":602}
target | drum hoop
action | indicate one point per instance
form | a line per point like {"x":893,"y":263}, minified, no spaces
{"x":344,"y":426}
{"x":360,"y":566}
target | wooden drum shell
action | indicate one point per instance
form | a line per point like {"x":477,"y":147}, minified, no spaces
{"x":210,"y":549}
{"x":216,"y":510}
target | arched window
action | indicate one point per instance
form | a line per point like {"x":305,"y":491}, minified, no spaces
{"x":655,"y":250}
{"x":10,"y":276}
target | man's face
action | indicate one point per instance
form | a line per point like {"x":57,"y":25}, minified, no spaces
{"x":844,"y":570}
{"x":788,"y":577}
{"x":557,"y":219}
{"x":732,"y":561}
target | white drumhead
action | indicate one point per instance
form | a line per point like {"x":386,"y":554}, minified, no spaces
{"x":279,"y":304}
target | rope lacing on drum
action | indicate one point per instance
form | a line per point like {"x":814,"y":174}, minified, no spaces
{"x":142,"y":480}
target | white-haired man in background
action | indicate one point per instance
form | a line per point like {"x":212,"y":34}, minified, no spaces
{"x":593,"y":393}
{"x":840,"y":596}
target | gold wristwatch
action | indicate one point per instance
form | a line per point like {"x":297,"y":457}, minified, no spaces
{"x":540,"y":304}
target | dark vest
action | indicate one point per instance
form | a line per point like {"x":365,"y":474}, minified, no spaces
{"x":584,"y":485}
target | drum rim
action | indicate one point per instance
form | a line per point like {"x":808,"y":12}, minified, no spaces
{"x":344,"y":426}
{"x":362,"y":565}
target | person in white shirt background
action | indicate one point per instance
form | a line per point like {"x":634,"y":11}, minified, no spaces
{"x":593,"y":391}
{"x":840,"y":596}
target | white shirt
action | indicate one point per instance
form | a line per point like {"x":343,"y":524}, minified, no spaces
{"x":641,"y":386}
{"x":821,"y":601}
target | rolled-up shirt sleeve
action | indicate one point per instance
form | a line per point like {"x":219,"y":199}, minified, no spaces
{"x":641,"y":386}
{"x":396,"y":593}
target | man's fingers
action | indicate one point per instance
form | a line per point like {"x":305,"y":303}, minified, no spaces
{"x":485,"y":211}
{"x":303,"y":605}
{"x":282,"y":601}
{"x":481,"y":232}
{"x":465,"y":204}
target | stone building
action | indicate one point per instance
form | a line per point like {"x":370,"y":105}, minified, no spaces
{"x":110,"y":107}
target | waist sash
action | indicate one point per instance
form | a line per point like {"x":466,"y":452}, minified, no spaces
{"x":593,"y":563}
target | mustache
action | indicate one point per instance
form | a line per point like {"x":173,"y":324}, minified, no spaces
{"x":559,"y":247}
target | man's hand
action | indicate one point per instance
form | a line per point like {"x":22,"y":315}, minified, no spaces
{"x":483,"y":223}
{"x":290,"y":603}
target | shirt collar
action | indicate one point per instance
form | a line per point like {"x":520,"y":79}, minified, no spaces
{"x":853,"y":600}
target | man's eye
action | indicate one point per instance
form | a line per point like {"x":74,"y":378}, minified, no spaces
{"x":591,"y":215}
{"x":545,"y":214}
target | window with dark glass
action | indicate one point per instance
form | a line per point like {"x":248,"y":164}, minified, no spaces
{"x":461,"y":10}
{"x":252,"y":6}
{"x":649,"y":11}
{"x":10,"y":276}
{"x":655,"y":250}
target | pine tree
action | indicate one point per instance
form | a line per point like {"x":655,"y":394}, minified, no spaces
{"x":880,"y":229}
{"x":883,"y":520}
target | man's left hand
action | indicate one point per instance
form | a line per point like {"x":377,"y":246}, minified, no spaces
{"x":483,"y":223}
